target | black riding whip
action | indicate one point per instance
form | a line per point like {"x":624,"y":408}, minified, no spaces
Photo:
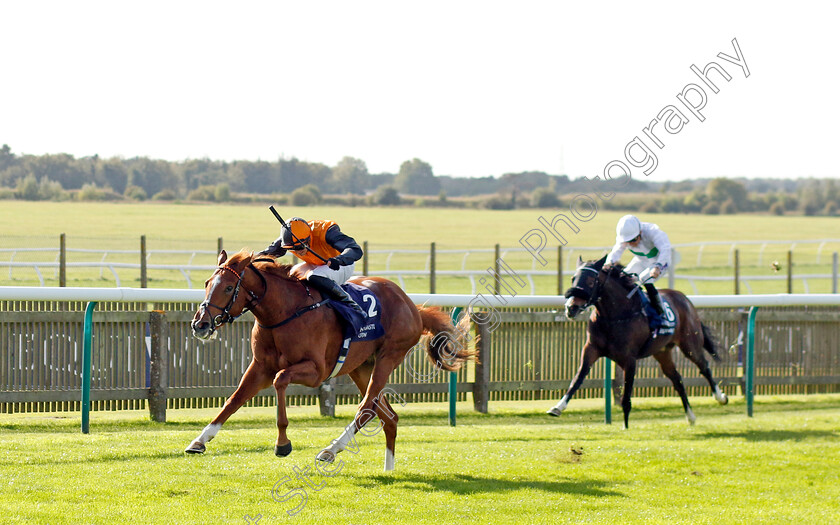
{"x":279,"y":218}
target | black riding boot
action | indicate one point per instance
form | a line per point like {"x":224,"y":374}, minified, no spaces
{"x":655,"y":300}
{"x":332,"y":290}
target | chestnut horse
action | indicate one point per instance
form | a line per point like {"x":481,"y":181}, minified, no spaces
{"x":619,"y":331}
{"x":297,"y":340}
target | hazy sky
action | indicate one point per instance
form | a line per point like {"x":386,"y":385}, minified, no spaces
{"x":473,"y":88}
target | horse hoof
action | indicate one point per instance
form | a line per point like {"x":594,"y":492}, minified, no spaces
{"x":195,"y":448}
{"x":326,"y":456}
{"x":723,"y":400}
{"x":554,"y":412}
{"x":282,"y":451}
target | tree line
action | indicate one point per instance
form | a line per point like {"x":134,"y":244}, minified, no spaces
{"x":64,"y":177}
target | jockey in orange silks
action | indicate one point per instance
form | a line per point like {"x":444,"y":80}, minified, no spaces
{"x":328,"y":256}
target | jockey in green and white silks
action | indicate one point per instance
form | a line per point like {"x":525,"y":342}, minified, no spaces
{"x":651,"y":251}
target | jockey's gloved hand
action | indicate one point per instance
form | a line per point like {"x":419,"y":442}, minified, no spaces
{"x":333,"y":263}
{"x":273,"y":251}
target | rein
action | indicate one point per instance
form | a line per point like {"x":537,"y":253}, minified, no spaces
{"x":225,"y":318}
{"x":296,"y":314}
{"x":595,"y":296}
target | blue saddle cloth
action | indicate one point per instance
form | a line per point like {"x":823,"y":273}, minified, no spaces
{"x":666,"y":323}
{"x":356,"y":326}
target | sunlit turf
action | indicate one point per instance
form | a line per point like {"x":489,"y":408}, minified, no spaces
{"x":514,"y":465}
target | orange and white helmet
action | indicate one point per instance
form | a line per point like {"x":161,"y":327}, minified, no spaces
{"x":296,"y":235}
{"x":628,"y":228}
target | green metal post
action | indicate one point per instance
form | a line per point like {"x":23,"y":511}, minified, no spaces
{"x":750,"y":371}
{"x":607,"y":391}
{"x":453,"y":377}
{"x":453,"y":396}
{"x":87,"y":335}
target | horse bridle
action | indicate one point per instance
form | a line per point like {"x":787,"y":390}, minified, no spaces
{"x":594,"y":294}
{"x":224,"y":316}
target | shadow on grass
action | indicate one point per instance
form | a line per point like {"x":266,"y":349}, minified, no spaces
{"x":465,"y":484}
{"x":771,"y":435}
{"x":143,"y":455}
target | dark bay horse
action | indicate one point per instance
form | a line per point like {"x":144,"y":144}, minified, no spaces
{"x":619,"y":331}
{"x":296,"y":340}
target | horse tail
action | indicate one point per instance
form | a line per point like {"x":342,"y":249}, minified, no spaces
{"x":710,"y":343}
{"x":446,"y":346}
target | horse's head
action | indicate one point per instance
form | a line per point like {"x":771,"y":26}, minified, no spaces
{"x":586,"y":286}
{"x":224,"y":297}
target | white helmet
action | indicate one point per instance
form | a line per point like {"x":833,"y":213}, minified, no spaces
{"x":628,"y":229}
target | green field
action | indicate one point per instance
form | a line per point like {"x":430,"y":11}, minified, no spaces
{"x":514,"y":465}
{"x":118,"y":227}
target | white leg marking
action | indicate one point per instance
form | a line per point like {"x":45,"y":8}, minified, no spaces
{"x":328,"y":454}
{"x":389,"y":460}
{"x":341,"y":443}
{"x":689,"y":415}
{"x":208,"y":433}
{"x":559,"y":407}
{"x":720,"y":396}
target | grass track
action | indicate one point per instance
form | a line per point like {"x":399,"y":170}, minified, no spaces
{"x":514,"y":465}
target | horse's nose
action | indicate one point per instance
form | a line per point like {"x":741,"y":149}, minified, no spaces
{"x":200,"y":326}
{"x":571,"y":308}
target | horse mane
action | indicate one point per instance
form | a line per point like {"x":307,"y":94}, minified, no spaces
{"x":279,"y":270}
{"x":272,"y":267}
{"x":616,"y":270}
